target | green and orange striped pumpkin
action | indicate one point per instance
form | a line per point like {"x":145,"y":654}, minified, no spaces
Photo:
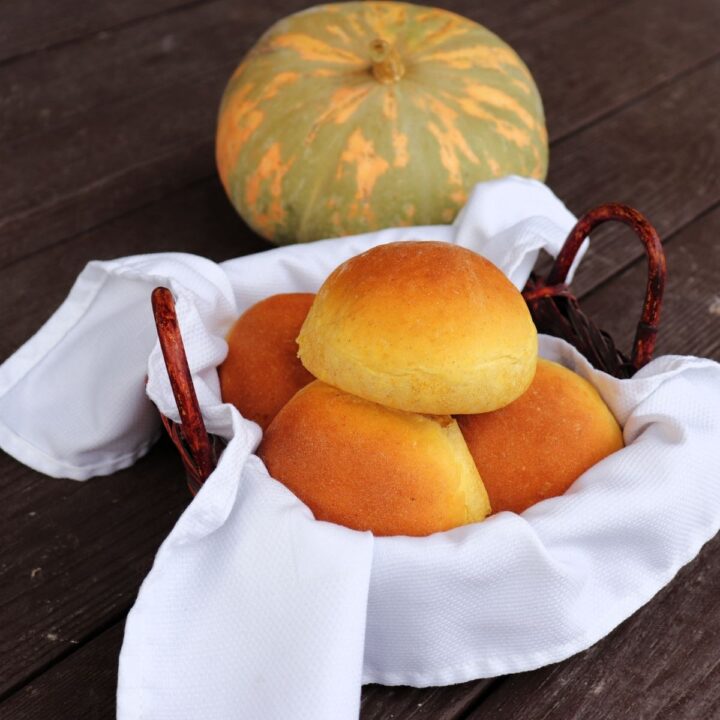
{"x":350,"y":117}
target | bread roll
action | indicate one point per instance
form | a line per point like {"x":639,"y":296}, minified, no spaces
{"x":426,"y":327}
{"x":261,"y":371}
{"x":368,"y":467}
{"x":537,"y":446}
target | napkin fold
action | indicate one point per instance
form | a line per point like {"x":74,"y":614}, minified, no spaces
{"x":255,"y":610}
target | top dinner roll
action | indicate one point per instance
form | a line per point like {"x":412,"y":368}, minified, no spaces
{"x":425,"y":327}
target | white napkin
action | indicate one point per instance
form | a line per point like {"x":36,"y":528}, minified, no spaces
{"x":255,"y":610}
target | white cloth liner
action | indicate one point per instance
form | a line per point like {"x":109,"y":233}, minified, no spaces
{"x":255,"y":610}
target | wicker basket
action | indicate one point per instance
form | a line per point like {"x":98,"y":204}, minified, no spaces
{"x":554,"y":309}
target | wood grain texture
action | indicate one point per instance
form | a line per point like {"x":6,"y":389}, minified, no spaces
{"x":660,"y":155}
{"x":690,"y":318}
{"x":196,"y":220}
{"x":616,"y":56}
{"x":82,"y":686}
{"x":109,"y":124}
{"x":408,"y":703}
{"x":56,"y":587}
{"x":32,"y":25}
{"x":95,"y":148}
{"x":139,"y":505}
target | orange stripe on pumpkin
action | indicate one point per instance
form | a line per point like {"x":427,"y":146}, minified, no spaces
{"x":505,"y":129}
{"x":449,"y":138}
{"x":399,"y":139}
{"x":279,"y":81}
{"x":360,"y":155}
{"x":310,"y":48}
{"x":488,"y":95}
{"x":358,"y":29}
{"x":339,"y":33}
{"x":390,"y":110}
{"x":400,"y":148}
{"x":484,"y":56}
{"x":343,"y":103}
{"x":325,"y":73}
{"x":537,"y":170}
{"x":239,"y":119}
{"x":234,"y":126}
{"x":526,"y":87}
{"x":493,"y":165}
{"x":432,"y":14}
{"x":384,"y":19}
{"x":453,"y":27}
{"x":268,"y":176}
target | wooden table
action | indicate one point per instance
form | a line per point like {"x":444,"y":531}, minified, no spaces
{"x":108,"y":112}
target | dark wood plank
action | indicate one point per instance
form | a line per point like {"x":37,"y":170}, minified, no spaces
{"x":660,"y":155}
{"x":616,"y":56}
{"x":407,"y":703}
{"x":56,"y":589}
{"x":32,"y":25}
{"x":197,"y":220}
{"x":690,"y":320}
{"x":83,"y":686}
{"x":114,"y":155}
{"x":68,"y":85}
{"x":113,"y":123}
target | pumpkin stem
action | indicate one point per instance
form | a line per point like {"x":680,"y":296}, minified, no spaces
{"x":386,"y":65}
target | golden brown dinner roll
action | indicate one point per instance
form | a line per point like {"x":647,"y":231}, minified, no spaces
{"x":261,"y":371}
{"x":425,"y":327}
{"x":537,"y":446}
{"x":368,"y":467}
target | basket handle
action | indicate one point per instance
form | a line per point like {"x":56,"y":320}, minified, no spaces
{"x":200,"y":461}
{"x":647,"y":328}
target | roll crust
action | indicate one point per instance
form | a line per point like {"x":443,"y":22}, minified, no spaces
{"x":261,"y":371}
{"x":537,"y":446}
{"x":425,"y":327}
{"x":368,"y":467}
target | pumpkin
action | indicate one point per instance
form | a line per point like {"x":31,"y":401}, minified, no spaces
{"x":350,"y":117}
